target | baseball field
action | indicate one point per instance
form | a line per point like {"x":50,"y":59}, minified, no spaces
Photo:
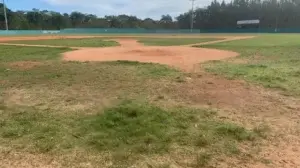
{"x":150,"y":101}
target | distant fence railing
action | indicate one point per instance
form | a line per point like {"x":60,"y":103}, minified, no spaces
{"x":96,"y":31}
{"x":28,"y":32}
{"x":144,"y":31}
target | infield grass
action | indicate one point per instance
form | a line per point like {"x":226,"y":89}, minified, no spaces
{"x":270,"y":60}
{"x":75,"y":42}
{"x":13,"y":53}
{"x":110,"y":114}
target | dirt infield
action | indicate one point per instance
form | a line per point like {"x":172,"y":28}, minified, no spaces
{"x":184,"y":57}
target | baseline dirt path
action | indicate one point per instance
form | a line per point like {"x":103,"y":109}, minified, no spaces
{"x":184,"y":57}
{"x":226,"y":39}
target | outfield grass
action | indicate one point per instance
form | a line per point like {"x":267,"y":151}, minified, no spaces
{"x":80,"y":42}
{"x":174,"y":41}
{"x":106,"y":114}
{"x":270,"y":60}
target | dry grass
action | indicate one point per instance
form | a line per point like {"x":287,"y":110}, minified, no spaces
{"x":24,"y":65}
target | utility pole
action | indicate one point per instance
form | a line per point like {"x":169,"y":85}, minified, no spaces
{"x":5,"y":15}
{"x":192,"y":15}
{"x":277,"y":17}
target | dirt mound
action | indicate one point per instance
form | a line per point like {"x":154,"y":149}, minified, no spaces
{"x":24,"y":65}
{"x":151,"y":52}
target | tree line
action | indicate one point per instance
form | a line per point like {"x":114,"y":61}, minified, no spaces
{"x":217,"y":15}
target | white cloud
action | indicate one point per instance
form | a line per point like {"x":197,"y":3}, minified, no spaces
{"x":140,"y":8}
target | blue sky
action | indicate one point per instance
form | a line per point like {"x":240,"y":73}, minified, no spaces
{"x":39,"y":4}
{"x":140,"y":8}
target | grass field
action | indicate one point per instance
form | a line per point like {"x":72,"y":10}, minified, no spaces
{"x":272,"y":61}
{"x":57,"y":108}
{"x":56,"y":113}
{"x":174,"y":41}
{"x":80,"y":42}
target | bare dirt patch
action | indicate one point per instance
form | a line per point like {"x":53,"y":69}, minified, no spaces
{"x":251,"y":106}
{"x":3,"y":81}
{"x":24,"y":65}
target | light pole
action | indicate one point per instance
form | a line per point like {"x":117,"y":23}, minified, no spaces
{"x":192,"y":15}
{"x":277,"y":15}
{"x":5,"y":15}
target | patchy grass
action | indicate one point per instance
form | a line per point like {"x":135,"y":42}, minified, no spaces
{"x":174,"y":41}
{"x":130,"y":127}
{"x":148,"y":69}
{"x":203,"y":159}
{"x":80,"y":42}
{"x":271,"y":60}
{"x":76,"y":114}
{"x":73,"y":85}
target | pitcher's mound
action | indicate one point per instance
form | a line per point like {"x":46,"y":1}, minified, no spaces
{"x":151,"y":52}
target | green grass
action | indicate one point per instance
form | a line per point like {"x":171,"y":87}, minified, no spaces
{"x":12,"y":53}
{"x":130,"y":127}
{"x":270,"y":60}
{"x":77,"y":112}
{"x":174,"y":41}
{"x":80,"y":42}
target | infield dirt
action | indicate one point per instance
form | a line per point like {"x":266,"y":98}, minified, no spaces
{"x":184,"y":57}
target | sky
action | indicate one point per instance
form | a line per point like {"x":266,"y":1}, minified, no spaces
{"x":141,"y":8}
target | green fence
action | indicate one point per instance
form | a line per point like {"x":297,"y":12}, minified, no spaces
{"x":126,"y":31}
{"x":145,"y":31}
{"x":97,"y":31}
